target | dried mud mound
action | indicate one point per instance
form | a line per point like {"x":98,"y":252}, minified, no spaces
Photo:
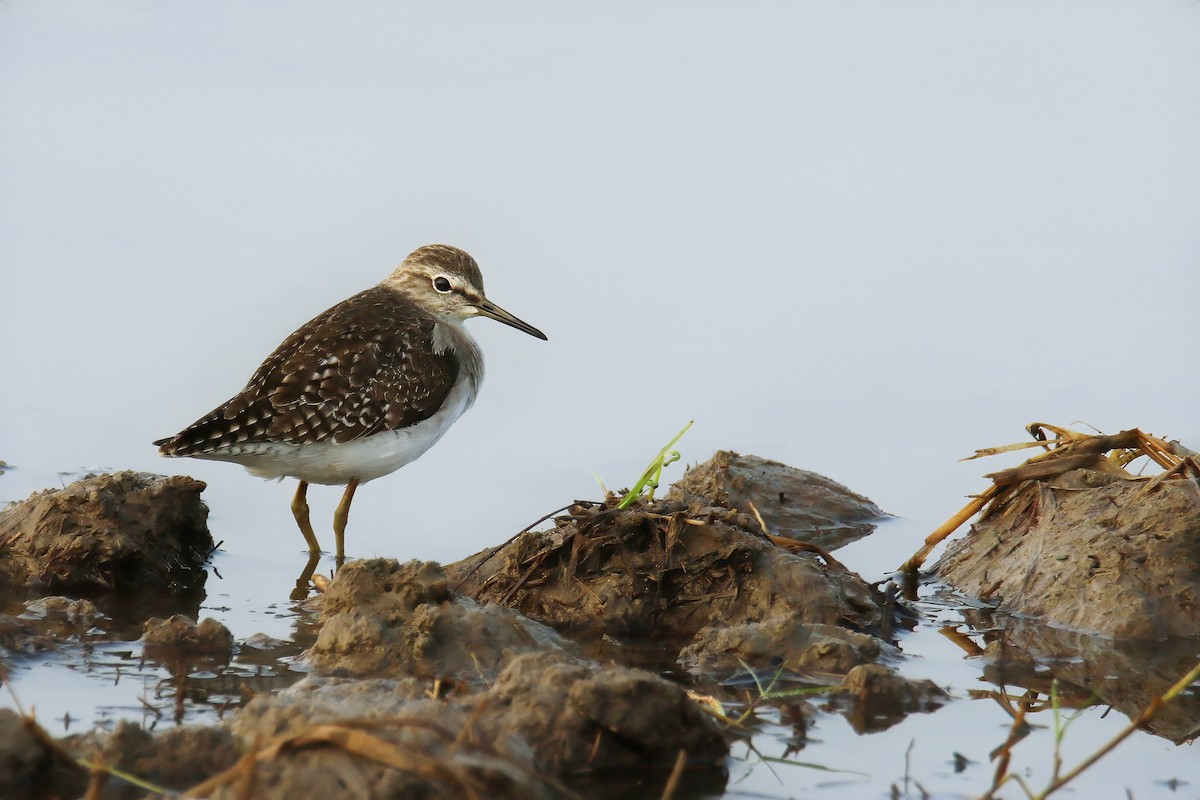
{"x":384,"y":618}
{"x":660,"y":569}
{"x":583,"y":718}
{"x":794,"y":503}
{"x":1089,"y":550}
{"x":421,"y":749}
{"x":127,"y":531}
{"x":549,"y":717}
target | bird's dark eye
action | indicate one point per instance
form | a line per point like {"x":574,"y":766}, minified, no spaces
{"x":441,"y":284}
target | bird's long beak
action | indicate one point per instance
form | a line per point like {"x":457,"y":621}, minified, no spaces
{"x":489,"y":309}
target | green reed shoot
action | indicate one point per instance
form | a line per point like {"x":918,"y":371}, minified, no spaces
{"x":653,"y":474}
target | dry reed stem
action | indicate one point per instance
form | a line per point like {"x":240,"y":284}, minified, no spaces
{"x":1069,"y":450}
{"x":948,"y":527}
{"x":796,"y":545}
{"x":95,"y":789}
{"x":676,"y":773}
{"x":491,"y":553}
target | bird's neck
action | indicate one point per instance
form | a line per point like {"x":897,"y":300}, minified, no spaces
{"x":449,"y":335}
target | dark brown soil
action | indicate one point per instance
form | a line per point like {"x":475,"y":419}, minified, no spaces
{"x":128,"y":532}
{"x":661,"y":570}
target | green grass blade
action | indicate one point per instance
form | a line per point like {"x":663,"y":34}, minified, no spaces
{"x":650,"y":478}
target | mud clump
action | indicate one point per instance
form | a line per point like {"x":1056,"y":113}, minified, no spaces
{"x":794,"y":503}
{"x":550,"y":717}
{"x":579,"y":717}
{"x":126,"y":531}
{"x":782,"y":641}
{"x":319,"y":700}
{"x":66,"y":615}
{"x":703,"y":582}
{"x":20,"y":637}
{"x":384,"y":618}
{"x":1088,"y":550}
{"x":657,"y":569}
{"x":880,"y":698}
{"x":180,"y":639}
{"x":475,"y":673}
{"x":421,"y":749}
{"x":176,"y":759}
{"x":31,"y":768}
{"x":45,"y":624}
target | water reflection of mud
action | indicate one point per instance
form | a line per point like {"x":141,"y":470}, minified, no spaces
{"x":1124,"y":675}
{"x":147,"y":674}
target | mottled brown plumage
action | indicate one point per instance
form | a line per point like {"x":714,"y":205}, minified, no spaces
{"x":364,"y":366}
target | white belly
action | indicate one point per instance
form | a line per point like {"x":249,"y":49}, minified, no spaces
{"x":365,"y":459}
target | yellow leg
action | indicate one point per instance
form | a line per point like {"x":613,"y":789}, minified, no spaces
{"x":339,"y":519}
{"x":300,"y":512}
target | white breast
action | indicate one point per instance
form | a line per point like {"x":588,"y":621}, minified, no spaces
{"x":366,"y":459}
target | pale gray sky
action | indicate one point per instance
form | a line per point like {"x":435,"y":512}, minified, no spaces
{"x":859,"y":237}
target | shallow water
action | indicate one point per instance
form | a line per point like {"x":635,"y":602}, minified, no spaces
{"x":100,"y":681}
{"x":859,"y":238}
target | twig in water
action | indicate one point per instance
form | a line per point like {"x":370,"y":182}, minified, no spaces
{"x":676,"y":773}
{"x":511,"y":539}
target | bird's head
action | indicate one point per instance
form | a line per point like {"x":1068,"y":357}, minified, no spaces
{"x":446,"y":282}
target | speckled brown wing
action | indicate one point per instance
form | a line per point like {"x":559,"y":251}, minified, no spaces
{"x":364,"y":366}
